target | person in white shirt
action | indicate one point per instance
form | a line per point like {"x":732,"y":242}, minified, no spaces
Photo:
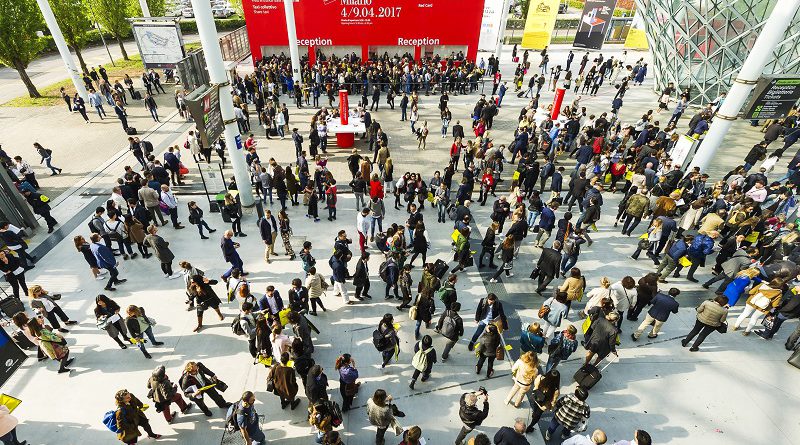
{"x":758,"y":193}
{"x":640,"y":437}
{"x":624,"y":293}
{"x":363,"y":224}
{"x":168,"y":198}
{"x":598,"y":437}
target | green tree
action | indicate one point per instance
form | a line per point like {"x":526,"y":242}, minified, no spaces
{"x":113,"y":18}
{"x":158,"y":8}
{"x":19,"y":22}
{"x":74,"y":24}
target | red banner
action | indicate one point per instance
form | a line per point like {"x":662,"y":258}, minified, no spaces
{"x":344,"y":107}
{"x":366,"y":23}
{"x":557,"y":100}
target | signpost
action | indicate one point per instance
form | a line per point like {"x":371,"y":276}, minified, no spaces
{"x":773,"y":97}
{"x":203,"y":105}
{"x":160,"y":41}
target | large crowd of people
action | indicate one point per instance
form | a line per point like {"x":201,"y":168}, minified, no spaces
{"x":738,"y":231}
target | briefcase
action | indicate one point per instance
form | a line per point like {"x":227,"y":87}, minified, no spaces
{"x":440,"y":269}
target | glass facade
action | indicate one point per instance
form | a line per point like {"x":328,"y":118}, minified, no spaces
{"x":701,"y":44}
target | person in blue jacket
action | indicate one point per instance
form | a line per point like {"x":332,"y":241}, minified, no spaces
{"x":532,"y":339}
{"x":670,"y":261}
{"x":105,"y":260}
{"x":230,"y":254}
{"x":660,"y":308}
{"x":546,"y":223}
{"x":702,"y":246}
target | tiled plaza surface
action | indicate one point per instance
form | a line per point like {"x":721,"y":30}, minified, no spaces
{"x":736,"y":390}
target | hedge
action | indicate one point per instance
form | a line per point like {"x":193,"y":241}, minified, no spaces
{"x":187,"y":27}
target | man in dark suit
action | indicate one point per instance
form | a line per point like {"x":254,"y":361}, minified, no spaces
{"x":196,"y":376}
{"x":230,"y":254}
{"x":548,"y":265}
{"x":458,"y":130}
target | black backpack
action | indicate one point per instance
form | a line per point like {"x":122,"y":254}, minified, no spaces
{"x":383,"y":271}
{"x":230,"y":417}
{"x":449,"y":326}
{"x":379,"y":341}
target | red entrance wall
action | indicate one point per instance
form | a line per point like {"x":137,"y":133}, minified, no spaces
{"x":364,"y":23}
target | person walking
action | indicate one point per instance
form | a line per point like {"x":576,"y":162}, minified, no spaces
{"x":348,"y":376}
{"x":385,"y":339}
{"x":45,"y":305}
{"x":40,"y":205}
{"x":205,"y":298}
{"x":164,"y":393}
{"x":286,"y":232}
{"x":553,"y":312}
{"x":8,"y":428}
{"x":660,"y":308}
{"x":523,"y":372}
{"x":129,"y":416}
{"x":316,"y":285}
{"x":451,"y":326}
{"x":570,"y":411}
{"x":471,"y":416}
{"x":195,"y":377}
{"x":162,"y":252}
{"x":196,"y":218}
{"x":85,"y":248}
{"x":230,"y":254}
{"x":507,"y":256}
{"x":764,"y":297}
{"x":105,"y":260}
{"x":711,"y":315}
{"x":381,"y":414}
{"x":361,"y":277}
{"x":168,"y":198}
{"x":561,"y":347}
{"x":603,"y":338}
{"x":47,"y":158}
{"x":106,"y":312}
{"x":547,"y":267}
{"x":139,"y":325}
{"x":52,"y":344}
{"x":489,"y":311}
{"x":545,"y":394}
{"x":423,"y":360}
{"x":488,"y":350}
{"x":151,"y":106}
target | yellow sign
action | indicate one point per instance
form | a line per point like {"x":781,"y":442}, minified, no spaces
{"x":637,"y":39}
{"x":10,"y":402}
{"x":540,"y":23}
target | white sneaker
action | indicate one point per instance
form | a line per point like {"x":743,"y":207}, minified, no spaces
{"x":166,"y":276}
{"x":493,"y":280}
{"x":99,"y":278}
{"x":175,"y":275}
{"x":510,"y":274}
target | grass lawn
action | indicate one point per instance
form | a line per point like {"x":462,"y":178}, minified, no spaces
{"x":51,"y":94}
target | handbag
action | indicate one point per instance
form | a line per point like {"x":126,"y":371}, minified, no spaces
{"x":221,"y":386}
{"x":723,"y":328}
{"x":544,"y":311}
{"x":769,"y":322}
{"x":760,"y":301}
{"x":182,"y":170}
{"x":508,"y":266}
{"x":500,"y":353}
{"x":351,"y":389}
{"x":535,"y":273}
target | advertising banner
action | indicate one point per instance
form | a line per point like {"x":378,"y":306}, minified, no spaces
{"x":160,"y":44}
{"x":637,"y":38}
{"x":773,"y":97}
{"x":11,"y":356}
{"x":594,"y":23}
{"x":203,"y":104}
{"x":539,"y":24}
{"x":490,"y":25}
{"x":365,"y":23}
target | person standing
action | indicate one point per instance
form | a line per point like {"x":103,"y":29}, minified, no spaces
{"x":471,"y":416}
{"x":96,"y":100}
{"x":196,"y":217}
{"x":764,"y":297}
{"x":8,"y":428}
{"x":47,"y":158}
{"x":381,"y":414}
{"x":348,"y":376}
{"x":168,"y":198}
{"x":164,"y":393}
{"x":284,"y":380}
{"x":510,"y":436}
{"x":130,"y":416}
{"x":45,"y":305}
{"x":162,"y":251}
{"x":14,"y":272}
{"x":247,"y":420}
{"x":361,"y":277}
{"x":122,"y":115}
{"x":139,"y":325}
{"x":523,"y":372}
{"x":640,"y":437}
{"x":660,"y":308}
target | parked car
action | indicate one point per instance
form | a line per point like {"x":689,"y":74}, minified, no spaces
{"x":562,"y":7}
{"x":222,"y":12}
{"x":188,"y":13}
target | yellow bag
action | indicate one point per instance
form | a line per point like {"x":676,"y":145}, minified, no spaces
{"x":684,"y":261}
{"x":515,"y":176}
{"x":628,"y":175}
{"x":607,"y":178}
{"x":587,"y":322}
{"x":454,"y":235}
{"x":752,"y":237}
{"x":283,"y":316}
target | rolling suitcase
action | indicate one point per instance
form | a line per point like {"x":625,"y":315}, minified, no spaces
{"x":588,"y":376}
{"x":521,"y":93}
{"x":10,"y":306}
{"x":131,"y":131}
{"x":794,"y":359}
{"x":440,"y":269}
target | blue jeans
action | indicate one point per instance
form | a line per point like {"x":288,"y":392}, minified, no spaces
{"x":236,"y":263}
{"x":551,"y":363}
{"x":478,"y":331}
{"x":100,"y":111}
{"x":416,"y":329}
{"x":48,"y":161}
{"x":532,"y":217}
{"x":567,"y":261}
{"x":378,"y":220}
{"x":442,"y":210}
{"x":553,"y":426}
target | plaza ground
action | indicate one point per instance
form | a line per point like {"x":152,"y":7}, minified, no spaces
{"x":736,"y":390}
